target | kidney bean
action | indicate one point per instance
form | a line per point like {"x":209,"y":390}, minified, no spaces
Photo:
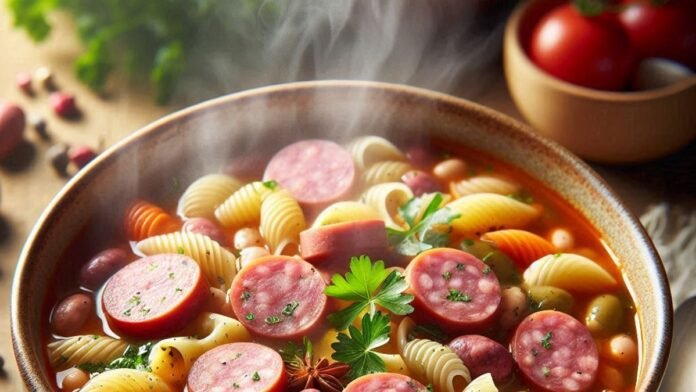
{"x":419,"y":156}
{"x":63,"y":104}
{"x":81,"y":155}
{"x":421,"y":182}
{"x":101,"y":267}
{"x":23,"y":82}
{"x":207,"y":228}
{"x":74,"y":380}
{"x":71,"y":314}
{"x":12,"y":122}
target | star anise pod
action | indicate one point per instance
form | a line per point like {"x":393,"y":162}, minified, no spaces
{"x":304,"y":372}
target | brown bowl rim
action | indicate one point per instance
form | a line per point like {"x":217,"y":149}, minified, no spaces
{"x":30,"y":367}
{"x":512,"y":41}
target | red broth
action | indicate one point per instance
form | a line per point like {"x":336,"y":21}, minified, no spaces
{"x":612,"y":373}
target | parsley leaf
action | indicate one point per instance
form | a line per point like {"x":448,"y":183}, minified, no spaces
{"x":430,"y":230}
{"x":356,"y":349}
{"x":368,"y":284}
{"x":546,"y":341}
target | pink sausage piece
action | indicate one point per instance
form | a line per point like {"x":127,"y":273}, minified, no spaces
{"x":385,"y":382}
{"x":555,"y":352}
{"x":238,"y":366}
{"x":155,"y":296}
{"x":421,"y":182}
{"x":208,"y":228}
{"x":316,"y":172}
{"x":279,"y":297}
{"x":454,"y":289}
{"x":483,"y":355}
{"x":332,"y":246}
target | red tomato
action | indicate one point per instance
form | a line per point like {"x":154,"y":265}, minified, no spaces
{"x":588,"y":51}
{"x":667,"y":30}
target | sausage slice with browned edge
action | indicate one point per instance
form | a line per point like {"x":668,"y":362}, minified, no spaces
{"x":377,"y":382}
{"x":555,"y":352}
{"x":454,"y":289}
{"x":316,"y":172}
{"x":279,"y":297}
{"x":482,"y":355}
{"x":332,"y":246}
{"x":155,"y":296}
{"x":238,"y":366}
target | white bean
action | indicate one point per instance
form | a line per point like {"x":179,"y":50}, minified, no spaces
{"x":562,"y":239}
{"x":513,"y":306}
{"x":74,"y":380}
{"x":247,"y":237}
{"x":623,"y":349}
{"x":450,"y":169}
{"x":250,"y":254}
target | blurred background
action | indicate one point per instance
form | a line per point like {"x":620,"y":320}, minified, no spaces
{"x":86,"y":73}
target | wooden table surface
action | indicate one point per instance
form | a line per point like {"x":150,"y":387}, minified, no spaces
{"x":27,"y":182}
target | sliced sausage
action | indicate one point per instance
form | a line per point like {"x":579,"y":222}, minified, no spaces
{"x":421,"y":182}
{"x":316,"y":172}
{"x":208,"y":228}
{"x":101,"y":267}
{"x":71,"y":314}
{"x":385,"y":382}
{"x":332,"y":246}
{"x":155,"y":296}
{"x":555,"y":352}
{"x":238,"y":366}
{"x":483,"y":355}
{"x":279,"y":297}
{"x":453,"y":288}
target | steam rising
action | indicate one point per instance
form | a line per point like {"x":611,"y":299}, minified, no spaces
{"x":444,"y":45}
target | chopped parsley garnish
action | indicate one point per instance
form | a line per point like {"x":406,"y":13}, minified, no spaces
{"x":135,"y":357}
{"x":460,"y":267}
{"x":486,"y":270}
{"x":356,"y":348}
{"x":270,"y":320}
{"x":447,"y":275}
{"x":134,"y":300}
{"x":556,"y":255}
{"x":487,"y":256}
{"x":153,"y":266}
{"x":546,"y":340}
{"x":171,"y":275}
{"x":289,"y":309}
{"x":256,"y":377}
{"x":127,"y":312}
{"x":235,"y":385}
{"x":180,"y":250}
{"x":250,"y":316}
{"x":457,"y":296}
{"x":429,"y":231}
{"x":545,"y":371}
{"x":270,"y":184}
{"x":178,"y":289}
{"x":245,"y":295}
{"x":368,"y":284}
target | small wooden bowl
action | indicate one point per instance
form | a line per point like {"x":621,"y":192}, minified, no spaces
{"x":602,"y":126}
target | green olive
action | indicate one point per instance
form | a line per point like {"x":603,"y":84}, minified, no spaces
{"x":550,"y":298}
{"x":503,"y":267}
{"x":605,"y":315}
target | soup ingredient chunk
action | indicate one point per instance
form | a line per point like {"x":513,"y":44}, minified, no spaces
{"x":385,"y":382}
{"x":71,"y":314}
{"x":155,"y":296}
{"x":482,"y":355}
{"x":316,"y":172}
{"x":279,"y":297}
{"x":421,"y":182}
{"x":238,"y":366}
{"x":555,"y":352}
{"x":333,"y":245}
{"x":12,"y":122}
{"x":453,"y":288}
{"x":100,"y":267}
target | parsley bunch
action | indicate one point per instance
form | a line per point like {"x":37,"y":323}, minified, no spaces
{"x":431,"y":230}
{"x":368,"y":284}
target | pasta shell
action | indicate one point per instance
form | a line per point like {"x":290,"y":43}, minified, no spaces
{"x":345,"y":211}
{"x":483,"y":184}
{"x":126,"y":380}
{"x":78,"y":350}
{"x":367,"y":150}
{"x":522,"y":246}
{"x":484,"y":212}
{"x":205,"y":194}
{"x":433,"y":363}
{"x":569,"y":272}
{"x":386,"y":199}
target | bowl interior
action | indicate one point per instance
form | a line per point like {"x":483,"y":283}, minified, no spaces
{"x":195,"y":141}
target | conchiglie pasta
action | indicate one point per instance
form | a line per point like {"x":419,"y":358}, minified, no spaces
{"x":433,"y":363}
{"x":126,"y":380}
{"x":386,"y":199}
{"x":217,"y":263}
{"x":145,"y":219}
{"x":485,"y":212}
{"x":483,"y":184}
{"x":385,"y":171}
{"x":522,"y":246}
{"x":569,"y":272}
{"x":171,"y":359}
{"x":282,"y":220}
{"x":482,"y":383}
{"x":367,"y":150}
{"x":345,"y":211}
{"x":243,"y":208}
{"x":205,"y":194}
{"x":78,"y":350}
